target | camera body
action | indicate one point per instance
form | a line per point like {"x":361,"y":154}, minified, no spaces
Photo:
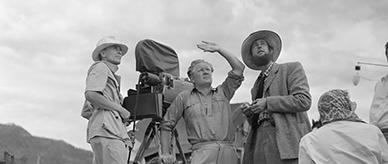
{"x":154,"y":95}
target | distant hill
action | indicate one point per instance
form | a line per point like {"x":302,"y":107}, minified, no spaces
{"x":26,"y":148}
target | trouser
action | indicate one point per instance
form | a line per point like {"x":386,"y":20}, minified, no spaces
{"x":109,"y":151}
{"x":261,"y":146}
{"x":214,"y":152}
{"x":385,"y":132}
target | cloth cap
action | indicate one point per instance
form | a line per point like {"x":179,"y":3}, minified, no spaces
{"x":335,"y":105}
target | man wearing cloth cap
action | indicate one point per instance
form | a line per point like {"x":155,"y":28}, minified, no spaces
{"x":206,"y":111}
{"x":106,"y":131}
{"x":343,"y":136}
{"x":280,"y":97}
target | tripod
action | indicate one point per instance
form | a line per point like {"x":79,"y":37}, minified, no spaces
{"x":152,"y":133}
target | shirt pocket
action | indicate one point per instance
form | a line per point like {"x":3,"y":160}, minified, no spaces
{"x":219,"y":104}
{"x":113,"y":124}
{"x":193,"y":110}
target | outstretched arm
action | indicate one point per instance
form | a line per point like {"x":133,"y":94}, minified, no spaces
{"x":237,"y":66}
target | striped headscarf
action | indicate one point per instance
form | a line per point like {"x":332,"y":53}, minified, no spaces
{"x":335,"y":105}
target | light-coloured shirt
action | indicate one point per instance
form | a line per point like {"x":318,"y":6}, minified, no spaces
{"x":378,"y":114}
{"x":207,"y":117}
{"x":103,"y":122}
{"x":344,"y":142}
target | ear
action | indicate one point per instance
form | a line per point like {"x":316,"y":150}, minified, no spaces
{"x":191,"y":80}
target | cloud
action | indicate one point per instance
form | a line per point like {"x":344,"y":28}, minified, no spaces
{"x":46,"y":45}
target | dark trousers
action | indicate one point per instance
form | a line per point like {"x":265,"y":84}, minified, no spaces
{"x":261,"y":146}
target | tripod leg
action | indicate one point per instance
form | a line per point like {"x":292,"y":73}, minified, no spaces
{"x":179,"y":147}
{"x":148,"y":136}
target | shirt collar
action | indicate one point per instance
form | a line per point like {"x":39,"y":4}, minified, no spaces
{"x":111,"y":66}
{"x":266,"y":72}
{"x":196,"y":90}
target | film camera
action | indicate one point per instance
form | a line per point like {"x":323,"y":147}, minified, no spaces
{"x":157,"y":87}
{"x":159,"y":81}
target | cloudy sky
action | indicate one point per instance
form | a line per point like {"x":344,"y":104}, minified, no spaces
{"x":46,"y":45}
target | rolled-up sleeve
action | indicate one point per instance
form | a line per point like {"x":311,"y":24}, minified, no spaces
{"x":173,"y":113}
{"x":231,"y":84}
{"x":97,"y":78}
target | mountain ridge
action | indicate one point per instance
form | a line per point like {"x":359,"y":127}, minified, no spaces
{"x":27,"y":148}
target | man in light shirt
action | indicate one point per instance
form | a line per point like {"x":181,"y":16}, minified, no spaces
{"x":378,"y":114}
{"x":106,"y":131}
{"x":343,"y":137}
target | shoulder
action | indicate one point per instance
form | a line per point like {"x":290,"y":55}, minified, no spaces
{"x":368,"y":126}
{"x":98,"y":67}
{"x":291,"y":64}
{"x":183,"y":95}
{"x":308,"y":138}
{"x":291,"y":67}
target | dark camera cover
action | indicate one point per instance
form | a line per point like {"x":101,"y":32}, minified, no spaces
{"x":155,"y":57}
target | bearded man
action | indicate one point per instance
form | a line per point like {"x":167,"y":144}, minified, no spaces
{"x":280,"y":98}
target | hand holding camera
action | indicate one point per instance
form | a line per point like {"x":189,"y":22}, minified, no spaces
{"x":167,"y":158}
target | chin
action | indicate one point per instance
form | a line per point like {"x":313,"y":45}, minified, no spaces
{"x":117,"y":62}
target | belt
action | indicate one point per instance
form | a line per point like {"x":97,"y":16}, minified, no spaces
{"x":200,"y":144}
{"x":263,"y":123}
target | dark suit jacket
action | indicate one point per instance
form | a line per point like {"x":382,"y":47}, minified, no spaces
{"x":287,"y":92}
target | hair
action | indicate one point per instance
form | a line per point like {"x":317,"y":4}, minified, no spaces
{"x":194,"y":63}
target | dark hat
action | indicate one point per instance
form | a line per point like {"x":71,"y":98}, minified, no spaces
{"x":270,"y":37}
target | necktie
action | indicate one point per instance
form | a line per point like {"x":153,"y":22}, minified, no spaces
{"x":260,"y":88}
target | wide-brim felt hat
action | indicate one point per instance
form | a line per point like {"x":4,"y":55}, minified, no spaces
{"x":272,"y":38}
{"x":107,"y":42}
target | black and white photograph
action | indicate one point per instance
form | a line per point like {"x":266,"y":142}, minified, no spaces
{"x":199,"y":81}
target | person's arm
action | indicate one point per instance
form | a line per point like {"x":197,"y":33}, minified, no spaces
{"x":97,"y":99}
{"x":237,"y":66}
{"x":298,"y":99}
{"x":96,"y":82}
{"x":170,"y":119}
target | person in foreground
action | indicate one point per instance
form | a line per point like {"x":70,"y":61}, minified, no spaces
{"x":343,"y":136}
{"x":378,"y":114}
{"x":106,"y":131}
{"x":280,"y":97}
{"x":206,"y":112}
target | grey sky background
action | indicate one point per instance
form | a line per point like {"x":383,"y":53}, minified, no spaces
{"x":46,"y":45}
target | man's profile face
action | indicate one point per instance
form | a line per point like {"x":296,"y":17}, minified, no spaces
{"x":202,"y":74}
{"x":112,"y":54}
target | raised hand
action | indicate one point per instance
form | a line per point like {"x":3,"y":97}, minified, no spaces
{"x":208,"y":46}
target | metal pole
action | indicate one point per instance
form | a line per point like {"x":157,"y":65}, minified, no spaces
{"x":382,"y":65}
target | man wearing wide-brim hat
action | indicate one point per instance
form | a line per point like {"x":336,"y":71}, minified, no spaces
{"x":106,"y":131}
{"x":280,"y":98}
